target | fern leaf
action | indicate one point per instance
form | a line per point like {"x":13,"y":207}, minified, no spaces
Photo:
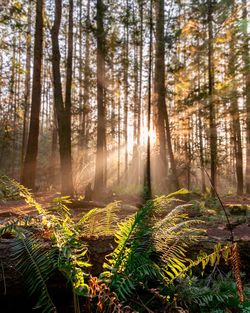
{"x":36,"y":264}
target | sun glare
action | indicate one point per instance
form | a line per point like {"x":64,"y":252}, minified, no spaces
{"x":144,"y":136}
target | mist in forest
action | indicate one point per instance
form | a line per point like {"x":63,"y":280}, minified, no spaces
{"x":125,"y":96}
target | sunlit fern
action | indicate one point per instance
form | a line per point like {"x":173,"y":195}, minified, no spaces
{"x":7,"y":189}
{"x":11,"y":225}
{"x":149,"y":249}
{"x":24,"y":193}
{"x":100,"y":221}
{"x":64,"y":234}
{"x":171,"y":237}
{"x":133,"y":248}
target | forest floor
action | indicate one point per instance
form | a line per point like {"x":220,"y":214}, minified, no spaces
{"x":215,"y":224}
{"x":216,"y":227}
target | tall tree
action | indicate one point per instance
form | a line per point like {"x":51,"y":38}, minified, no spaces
{"x":236,"y":129}
{"x":246,"y":59}
{"x":99,"y":183}
{"x":27,"y":85}
{"x":159,"y":85}
{"x":126,"y":89}
{"x":147,"y":178}
{"x":63,"y":110}
{"x":212,"y":112}
{"x":29,"y":169}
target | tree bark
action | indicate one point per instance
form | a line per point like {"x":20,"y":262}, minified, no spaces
{"x":246,"y":59}
{"x":159,"y":85}
{"x":63,"y":112}
{"x":125,"y":69}
{"x":29,"y":169}
{"x":212,"y":114}
{"x":99,"y":183}
{"x":235,"y":116}
{"x":147,"y":179}
{"x":27,"y":87}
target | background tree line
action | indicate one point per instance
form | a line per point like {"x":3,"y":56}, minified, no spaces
{"x":78,"y":79}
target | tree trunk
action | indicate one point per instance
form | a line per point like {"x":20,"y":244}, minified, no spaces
{"x":84,"y":94}
{"x":29,"y":169}
{"x":200,"y":126}
{"x":126,"y":68}
{"x":119,"y":140}
{"x":63,"y":113}
{"x":27,"y":87}
{"x":147,"y":179}
{"x":212,"y":122}
{"x":246,"y":58}
{"x":99,"y":183}
{"x":135,"y":164}
{"x":159,"y":86}
{"x":140,"y":89}
{"x":236,"y":135}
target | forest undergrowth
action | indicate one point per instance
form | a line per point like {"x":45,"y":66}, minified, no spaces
{"x":149,"y":268}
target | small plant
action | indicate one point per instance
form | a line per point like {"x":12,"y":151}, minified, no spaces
{"x":8,"y":190}
{"x":100,"y":221}
{"x":215,"y":293}
{"x":34,"y":261}
{"x":211,"y":202}
{"x":151,"y":252}
{"x":149,"y":257}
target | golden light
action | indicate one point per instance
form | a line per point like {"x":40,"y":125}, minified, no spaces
{"x":144,"y":136}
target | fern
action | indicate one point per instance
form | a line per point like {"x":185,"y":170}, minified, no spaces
{"x":235,"y":263}
{"x":171,"y":237}
{"x":64,"y":234}
{"x":85,"y":218}
{"x":24,"y":193}
{"x":7,"y":189}
{"x":59,"y":206}
{"x":148,"y":249}
{"x":36,"y":263}
{"x":216,"y":293}
{"x":131,"y":263}
{"x":100,"y":222}
{"x":12,"y":225}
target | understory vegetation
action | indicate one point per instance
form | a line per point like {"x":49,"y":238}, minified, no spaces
{"x":150,"y":268}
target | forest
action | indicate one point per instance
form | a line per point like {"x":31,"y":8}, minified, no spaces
{"x":125,"y":156}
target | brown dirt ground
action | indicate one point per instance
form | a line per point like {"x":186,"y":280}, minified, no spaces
{"x":218,"y":230}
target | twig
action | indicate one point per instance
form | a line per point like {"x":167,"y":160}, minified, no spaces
{"x":222,"y":205}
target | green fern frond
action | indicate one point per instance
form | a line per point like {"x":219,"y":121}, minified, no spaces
{"x":100,"y":221}
{"x":7,"y":189}
{"x":131,"y":263}
{"x":36,"y":264}
{"x":110,"y":218}
{"x":124,"y":286}
{"x":179,"y":192}
{"x":11,"y":226}
{"x":59,"y":205}
{"x":148,"y":249}
{"x":85,"y":218}
{"x":24,"y":193}
{"x":126,"y":234}
{"x":205,"y":259}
